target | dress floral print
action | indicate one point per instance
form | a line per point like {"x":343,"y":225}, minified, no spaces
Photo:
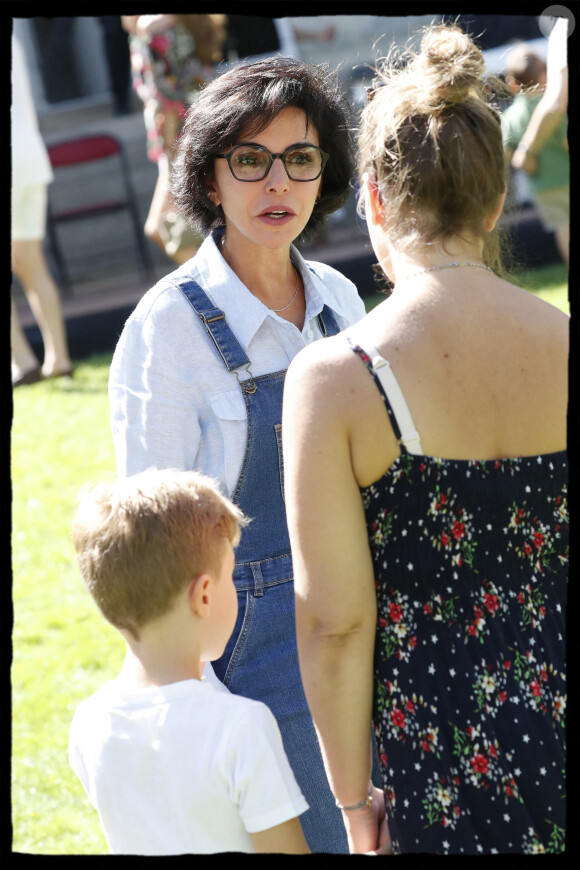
{"x":471,"y":562}
{"x":166,"y":76}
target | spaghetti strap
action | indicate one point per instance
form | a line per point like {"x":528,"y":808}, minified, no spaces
{"x":397,"y":408}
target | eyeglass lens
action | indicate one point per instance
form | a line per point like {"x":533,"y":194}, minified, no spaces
{"x":252,"y":162}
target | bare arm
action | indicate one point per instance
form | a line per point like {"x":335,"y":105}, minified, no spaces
{"x":147,"y":25}
{"x":286,"y":838}
{"x":129,"y":23}
{"x":334,"y":580}
{"x":551,"y":109}
{"x":546,"y":118}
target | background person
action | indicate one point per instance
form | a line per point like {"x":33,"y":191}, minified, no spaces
{"x":173,"y":765}
{"x":197,"y":377}
{"x":31,"y":174}
{"x":552,"y":108}
{"x":525,"y":73}
{"x":427,"y":496}
{"x":172,"y":57}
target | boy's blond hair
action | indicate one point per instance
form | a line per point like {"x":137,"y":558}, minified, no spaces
{"x":140,"y":540}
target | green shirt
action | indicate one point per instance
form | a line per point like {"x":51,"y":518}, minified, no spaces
{"x":553,"y":159}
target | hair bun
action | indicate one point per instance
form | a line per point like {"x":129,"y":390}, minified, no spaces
{"x":451,"y":65}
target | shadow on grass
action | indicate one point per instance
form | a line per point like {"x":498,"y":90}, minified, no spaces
{"x":90,"y":375}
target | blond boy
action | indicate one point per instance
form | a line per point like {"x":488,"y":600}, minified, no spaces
{"x":172,"y":763}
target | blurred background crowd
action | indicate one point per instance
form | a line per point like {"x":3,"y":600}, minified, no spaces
{"x":84,"y":76}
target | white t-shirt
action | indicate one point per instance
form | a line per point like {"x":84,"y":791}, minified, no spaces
{"x":182,"y":769}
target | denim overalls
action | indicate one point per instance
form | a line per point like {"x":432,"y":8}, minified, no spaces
{"x":261,"y":659}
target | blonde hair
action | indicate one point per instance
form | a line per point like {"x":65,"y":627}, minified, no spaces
{"x":140,"y":540}
{"x":431,"y":139}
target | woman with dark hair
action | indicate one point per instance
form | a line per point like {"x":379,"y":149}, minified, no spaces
{"x":197,"y":377}
{"x":426,"y":489}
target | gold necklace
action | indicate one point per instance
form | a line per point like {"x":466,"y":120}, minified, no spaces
{"x":277,"y":310}
{"x":293,"y":298}
{"x":446,"y":266}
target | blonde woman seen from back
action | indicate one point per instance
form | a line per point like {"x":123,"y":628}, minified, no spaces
{"x":426,"y":490}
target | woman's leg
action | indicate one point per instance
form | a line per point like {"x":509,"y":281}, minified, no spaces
{"x":162,"y":206}
{"x":24,"y":361}
{"x":157,"y":209}
{"x":30,"y":267}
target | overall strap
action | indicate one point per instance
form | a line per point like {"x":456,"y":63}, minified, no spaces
{"x":393,"y":398}
{"x":327,"y":321}
{"x":216,"y":325}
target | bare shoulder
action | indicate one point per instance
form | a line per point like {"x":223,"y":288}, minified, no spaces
{"x":322,"y":384}
{"x":320,"y":364}
{"x":541,"y":322}
{"x":527,"y":299}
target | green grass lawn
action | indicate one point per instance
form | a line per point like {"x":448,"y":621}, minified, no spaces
{"x":63,"y":649}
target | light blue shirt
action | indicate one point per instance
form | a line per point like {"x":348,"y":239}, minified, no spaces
{"x":173,"y":403}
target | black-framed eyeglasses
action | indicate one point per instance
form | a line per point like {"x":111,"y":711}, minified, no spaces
{"x":252,"y":162}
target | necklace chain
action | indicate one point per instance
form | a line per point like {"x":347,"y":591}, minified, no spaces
{"x":446,"y":266}
{"x":277,"y":310}
{"x":293,"y":298}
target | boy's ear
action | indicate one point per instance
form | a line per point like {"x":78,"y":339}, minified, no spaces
{"x":199,"y":595}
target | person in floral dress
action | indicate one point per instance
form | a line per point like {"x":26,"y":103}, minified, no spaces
{"x":426,"y":490}
{"x":172,"y":58}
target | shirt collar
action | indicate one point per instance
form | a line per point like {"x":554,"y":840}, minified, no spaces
{"x":244,"y":310}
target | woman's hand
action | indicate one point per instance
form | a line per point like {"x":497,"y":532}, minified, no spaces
{"x":526,"y":160}
{"x":367,"y":828}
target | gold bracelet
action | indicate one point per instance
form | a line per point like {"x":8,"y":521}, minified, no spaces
{"x":366,"y":802}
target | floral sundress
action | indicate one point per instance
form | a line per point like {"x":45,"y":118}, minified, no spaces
{"x":166,"y":76}
{"x":471,"y":566}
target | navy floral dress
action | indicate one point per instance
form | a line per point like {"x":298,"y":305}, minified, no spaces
{"x":471,"y":563}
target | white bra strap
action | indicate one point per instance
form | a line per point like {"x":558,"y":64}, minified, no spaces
{"x":409,"y":435}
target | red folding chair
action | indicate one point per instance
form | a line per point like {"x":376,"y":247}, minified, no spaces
{"x":88,"y":149}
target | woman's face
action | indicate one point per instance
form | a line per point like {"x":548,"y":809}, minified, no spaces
{"x":272,"y":212}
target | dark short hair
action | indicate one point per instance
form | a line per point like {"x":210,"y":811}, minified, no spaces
{"x":246,"y":100}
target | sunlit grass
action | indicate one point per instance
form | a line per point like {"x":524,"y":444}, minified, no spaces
{"x":62,"y":648}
